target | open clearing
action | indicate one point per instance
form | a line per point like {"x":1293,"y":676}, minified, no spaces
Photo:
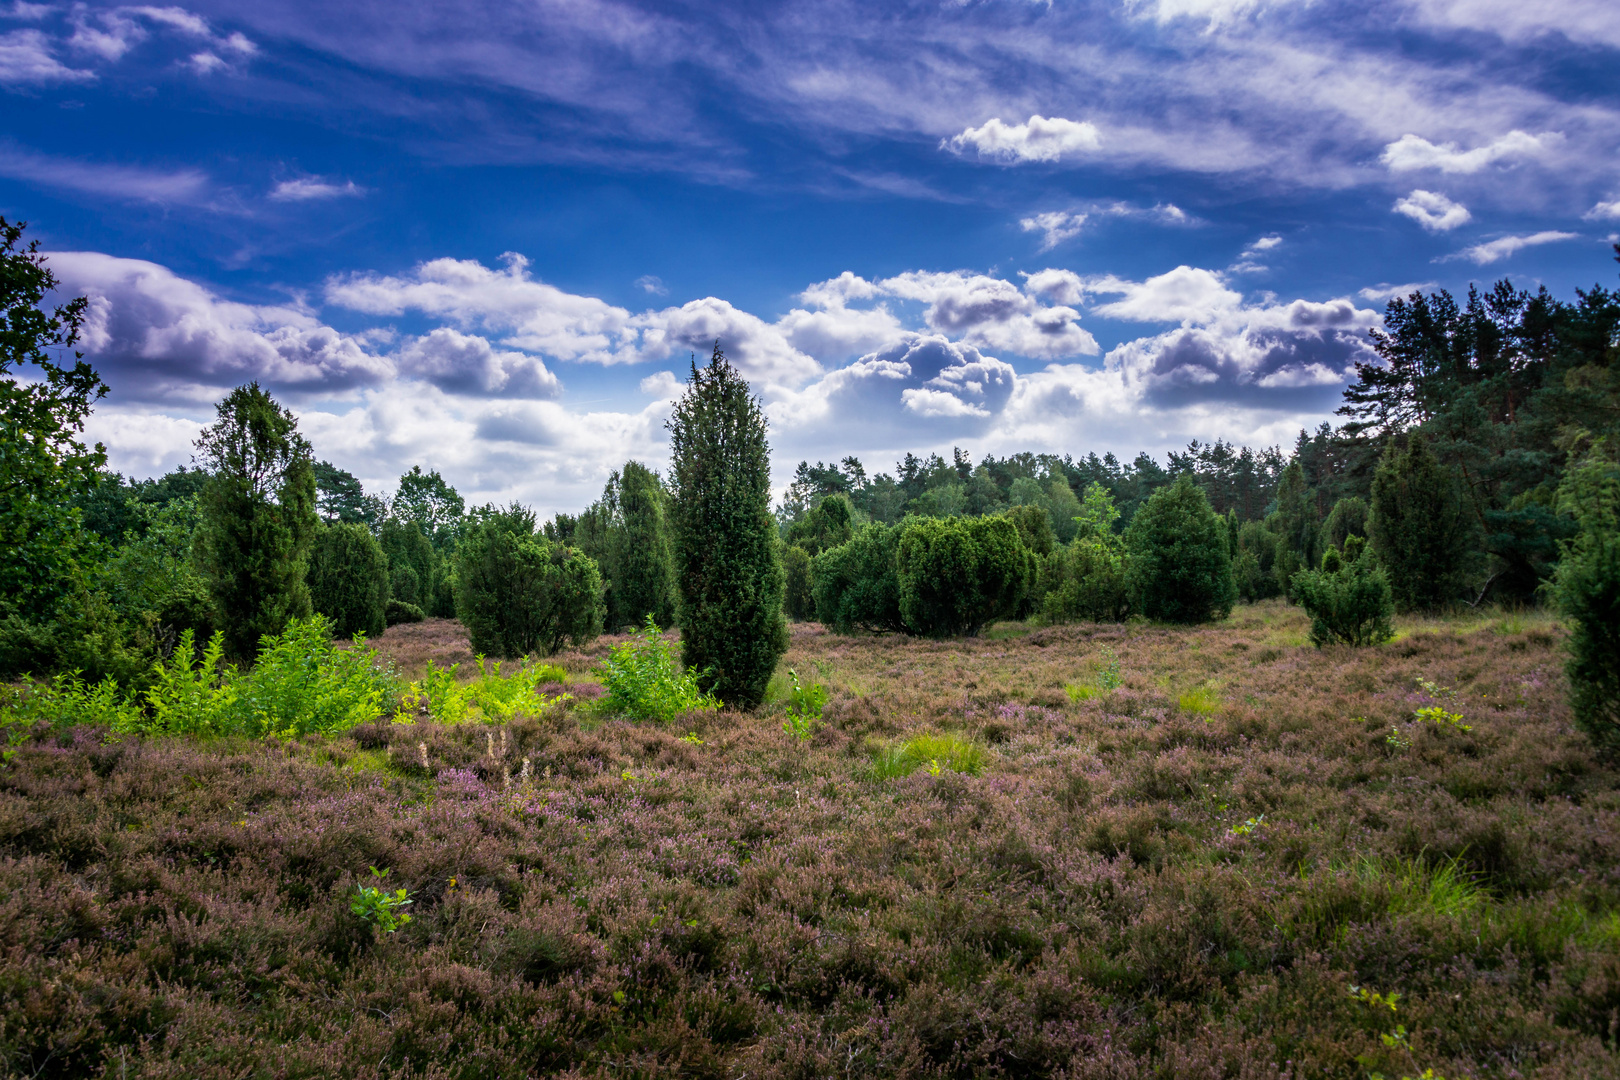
{"x":1228,"y":865}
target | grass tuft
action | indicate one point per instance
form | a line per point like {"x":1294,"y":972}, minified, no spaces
{"x":936,"y":753}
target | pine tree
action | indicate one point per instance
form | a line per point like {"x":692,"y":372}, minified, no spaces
{"x":727,"y":560}
{"x":1421,"y":528}
{"x":258,"y":517}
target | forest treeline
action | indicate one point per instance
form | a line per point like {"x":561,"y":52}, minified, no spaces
{"x":1476,"y":461}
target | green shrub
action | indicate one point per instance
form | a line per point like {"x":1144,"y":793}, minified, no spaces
{"x":190,"y":695}
{"x":957,"y":574}
{"x":856,"y":585}
{"x":1348,"y":599}
{"x":348,"y":579}
{"x":1086,"y":581}
{"x":728,"y":566}
{"x":304,"y":682}
{"x":1254,"y":567}
{"x":1421,"y":527}
{"x":644,"y":682}
{"x":1178,"y":567}
{"x":519,"y":593}
{"x":398,"y":611}
{"x":379,"y":907}
{"x":829,"y":523}
{"x":1587,"y":589}
{"x":491,"y":697}
{"x":1348,"y":518}
{"x":798,"y":597}
{"x":414,"y":568}
{"x":644,"y":582}
{"x":936,"y":753}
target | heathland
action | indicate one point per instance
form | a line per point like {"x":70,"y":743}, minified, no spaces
{"x":1095,"y":850}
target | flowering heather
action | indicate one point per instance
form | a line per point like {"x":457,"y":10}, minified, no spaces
{"x":1265,"y":887}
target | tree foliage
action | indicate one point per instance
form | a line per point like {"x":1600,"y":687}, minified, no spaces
{"x":1587,"y":588}
{"x":518,"y":593}
{"x":728,"y":566}
{"x":44,"y":399}
{"x":1178,"y":569}
{"x":1348,"y":599}
{"x":856,"y":586}
{"x":1422,"y":528}
{"x":957,"y":574}
{"x":258,"y":517}
{"x":348,"y":580}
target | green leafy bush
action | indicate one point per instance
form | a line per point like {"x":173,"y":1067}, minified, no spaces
{"x":936,"y":753}
{"x":1086,"y":581}
{"x":491,"y":697}
{"x":304,"y":682}
{"x":519,"y":593}
{"x":804,"y":707}
{"x":644,"y":682}
{"x":398,"y":611}
{"x":957,"y":574}
{"x":1178,"y":569}
{"x":856,"y":585}
{"x":348,"y":579}
{"x":378,"y":906}
{"x":1349,"y":599}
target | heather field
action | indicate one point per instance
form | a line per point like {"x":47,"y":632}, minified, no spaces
{"x":1122,"y":851}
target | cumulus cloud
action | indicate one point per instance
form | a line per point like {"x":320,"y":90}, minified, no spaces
{"x":1496,"y":250}
{"x":1186,"y":295}
{"x":1411,"y":152}
{"x":1433,"y":210}
{"x":1055,"y":226}
{"x":535,"y":316}
{"x":1039,"y":139}
{"x":756,"y":348}
{"x":468,"y":364}
{"x":312,"y":188}
{"x":1604,"y":211}
{"x":993,"y":313}
{"x":26,"y":57}
{"x":159,"y":337}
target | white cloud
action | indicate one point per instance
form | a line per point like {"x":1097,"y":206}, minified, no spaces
{"x":1039,"y":139}
{"x":653,"y":284}
{"x":935,"y":404}
{"x":1058,"y":286}
{"x":1433,"y":210}
{"x":468,"y":364}
{"x":1186,"y":295}
{"x":160,"y":337}
{"x":26,"y":11}
{"x":756,"y":348}
{"x":92,"y":178}
{"x":1386,"y":291}
{"x":662,"y":385}
{"x":1265,"y":243}
{"x":1055,"y":226}
{"x":1213,"y":12}
{"x":993,"y":313}
{"x":206,"y":63}
{"x":1410,"y":152}
{"x":115,"y":35}
{"x":536,"y":316}
{"x":1496,"y":250}
{"x":1580,"y":21}
{"x":310,"y":188}
{"x":25,"y":57}
{"x":1604,"y":211}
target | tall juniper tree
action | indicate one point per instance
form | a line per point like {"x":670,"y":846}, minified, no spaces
{"x":727,"y":562}
{"x":258,"y":517}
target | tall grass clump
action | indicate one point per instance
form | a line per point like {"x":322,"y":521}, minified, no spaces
{"x":935,"y":753}
{"x":645,"y":682}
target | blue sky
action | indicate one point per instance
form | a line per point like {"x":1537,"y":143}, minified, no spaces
{"x":486,"y":237}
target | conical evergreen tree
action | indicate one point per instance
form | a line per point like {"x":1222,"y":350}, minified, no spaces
{"x":727,"y":559}
{"x":258,"y":517}
{"x":644,"y":582}
{"x":1421,"y":528}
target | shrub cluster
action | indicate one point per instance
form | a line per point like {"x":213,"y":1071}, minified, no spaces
{"x":645,"y":682}
{"x":1349,"y":599}
{"x":518,"y":593}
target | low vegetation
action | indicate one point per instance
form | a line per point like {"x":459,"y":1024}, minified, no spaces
{"x":1219,"y":851}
